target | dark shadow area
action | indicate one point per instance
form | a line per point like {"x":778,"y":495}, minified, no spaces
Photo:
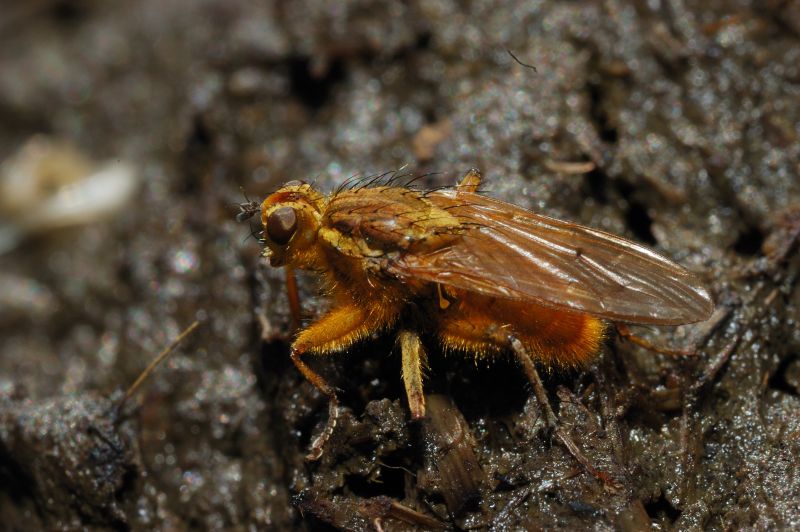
{"x":749,"y":242}
{"x":661,"y":509}
{"x":314,"y":91}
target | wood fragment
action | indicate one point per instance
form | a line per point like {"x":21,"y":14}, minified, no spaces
{"x":450,"y":447}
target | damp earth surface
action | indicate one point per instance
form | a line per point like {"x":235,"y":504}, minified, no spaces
{"x":673,"y":125}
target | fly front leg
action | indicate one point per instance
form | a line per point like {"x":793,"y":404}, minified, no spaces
{"x":334,"y":332}
{"x":294,"y":297}
{"x":315,"y":452}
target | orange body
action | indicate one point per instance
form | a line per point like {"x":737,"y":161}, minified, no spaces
{"x":482,"y":275}
{"x":553,"y":337}
{"x":465,"y":322}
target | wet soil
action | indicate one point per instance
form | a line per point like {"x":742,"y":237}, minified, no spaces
{"x":673,"y":125}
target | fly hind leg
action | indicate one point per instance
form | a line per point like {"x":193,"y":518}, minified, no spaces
{"x":626,"y":334}
{"x":525,"y":360}
{"x":480,"y":335}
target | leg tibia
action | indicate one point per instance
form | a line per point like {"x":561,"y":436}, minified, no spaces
{"x":414,"y":361}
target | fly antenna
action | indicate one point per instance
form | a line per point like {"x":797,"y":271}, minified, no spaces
{"x":247,"y":209}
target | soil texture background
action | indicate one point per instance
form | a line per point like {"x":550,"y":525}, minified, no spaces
{"x":669,"y":123}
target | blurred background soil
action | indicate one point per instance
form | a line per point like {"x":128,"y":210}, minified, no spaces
{"x":128,"y":131}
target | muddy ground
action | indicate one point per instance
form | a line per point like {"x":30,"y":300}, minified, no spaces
{"x":685,"y":125}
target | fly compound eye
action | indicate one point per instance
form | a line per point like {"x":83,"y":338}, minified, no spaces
{"x":281,"y":225}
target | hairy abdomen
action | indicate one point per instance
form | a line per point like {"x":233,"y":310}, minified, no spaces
{"x":482,"y":325}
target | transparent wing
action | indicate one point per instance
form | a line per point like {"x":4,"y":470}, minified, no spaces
{"x":512,"y":253}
